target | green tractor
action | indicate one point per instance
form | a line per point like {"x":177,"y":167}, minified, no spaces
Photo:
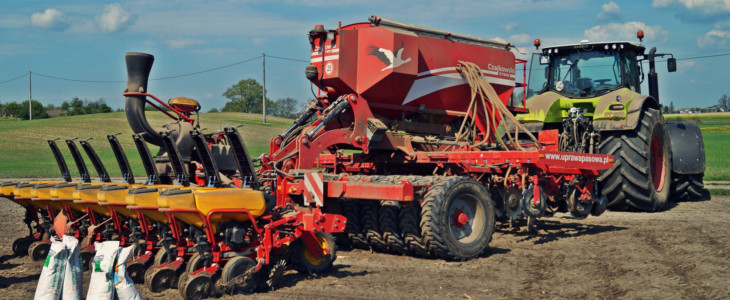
{"x":591,"y":93}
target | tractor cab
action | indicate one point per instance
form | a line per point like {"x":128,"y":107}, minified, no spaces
{"x":586,"y":70}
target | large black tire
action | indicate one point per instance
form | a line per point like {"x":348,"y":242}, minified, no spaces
{"x":353,"y":229}
{"x":370,"y":228}
{"x":640,"y":178}
{"x":687,"y":187}
{"x":409,"y":218}
{"x":388,"y":217}
{"x":303,"y":259}
{"x":457,"y":198}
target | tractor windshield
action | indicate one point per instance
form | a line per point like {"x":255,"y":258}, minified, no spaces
{"x":585,"y":74}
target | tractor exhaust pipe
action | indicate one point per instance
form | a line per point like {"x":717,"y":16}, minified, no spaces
{"x":138,"y":72}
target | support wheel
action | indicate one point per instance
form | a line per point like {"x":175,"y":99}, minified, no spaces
{"x":409,"y":220}
{"x":195,"y":263}
{"x":640,"y":178}
{"x":161,"y":279}
{"x":457,"y":218}
{"x":197,"y":286}
{"x":21,"y":246}
{"x":578,"y":209}
{"x":304,"y":260}
{"x":351,"y":209}
{"x":38,"y":250}
{"x":87,"y":256}
{"x":136,"y":271}
{"x":687,"y":187}
{"x":370,"y":228}
{"x":161,"y":257}
{"x":388,"y":216}
{"x":239,"y":276}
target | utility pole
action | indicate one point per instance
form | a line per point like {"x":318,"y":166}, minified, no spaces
{"x":30,"y":95}
{"x":264,"y":92}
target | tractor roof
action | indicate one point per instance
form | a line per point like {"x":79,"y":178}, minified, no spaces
{"x":637,"y":47}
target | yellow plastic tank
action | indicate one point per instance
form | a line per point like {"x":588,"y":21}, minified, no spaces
{"x":144,"y":200}
{"x":207,"y":199}
{"x":114,"y":196}
{"x":86,"y":195}
{"x":6,"y":188}
{"x":63,"y":193}
{"x":22,"y":194}
{"x":41,"y":195}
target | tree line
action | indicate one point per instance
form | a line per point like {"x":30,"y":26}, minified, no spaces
{"x":74,"y":107}
{"x":246,"y":96}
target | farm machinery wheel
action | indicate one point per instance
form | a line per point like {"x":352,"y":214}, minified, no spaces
{"x":38,"y":250}
{"x":161,"y":257}
{"x":87,"y":256}
{"x":457,"y":218}
{"x":21,"y":246}
{"x":160,"y":279}
{"x":388,"y":217}
{"x":353,"y":230}
{"x":195,"y":263}
{"x":196,"y":286}
{"x":271,"y":275}
{"x":640,"y":178}
{"x":687,"y":187}
{"x":136,"y":271}
{"x":531,"y":209}
{"x":304,"y":260}
{"x":239,"y":276}
{"x":578,"y":209}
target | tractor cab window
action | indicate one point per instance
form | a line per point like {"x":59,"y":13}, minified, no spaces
{"x":537,"y":82}
{"x":633,"y":73}
{"x":586,"y":74}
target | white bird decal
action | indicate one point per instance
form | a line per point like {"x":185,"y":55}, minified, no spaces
{"x":387,"y":57}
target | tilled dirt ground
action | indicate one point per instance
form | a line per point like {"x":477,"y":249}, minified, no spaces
{"x":683,"y":253}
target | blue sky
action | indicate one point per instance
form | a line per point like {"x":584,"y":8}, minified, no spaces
{"x":87,"y":39}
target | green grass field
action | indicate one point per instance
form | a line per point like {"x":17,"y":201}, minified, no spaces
{"x":24,"y":151}
{"x":716,"y":134}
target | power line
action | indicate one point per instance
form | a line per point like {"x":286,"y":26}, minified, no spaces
{"x":208,"y":70}
{"x":286,"y":58}
{"x":14,"y":78}
{"x":78,"y":80}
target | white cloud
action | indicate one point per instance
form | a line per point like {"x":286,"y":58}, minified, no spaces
{"x":214,"y":51}
{"x":611,"y":11}
{"x":520,"y":39}
{"x":509,"y":26}
{"x":625,"y":31}
{"x":714,"y":38}
{"x":114,"y":18}
{"x":182,"y":43}
{"x":700,"y":11}
{"x":51,"y":19}
{"x":259,"y":41}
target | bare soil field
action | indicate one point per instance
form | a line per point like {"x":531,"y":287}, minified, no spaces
{"x":683,"y":253}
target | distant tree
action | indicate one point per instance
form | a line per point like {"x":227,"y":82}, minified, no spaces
{"x":724,"y":102}
{"x":244,"y":96}
{"x":671,"y":107}
{"x":20,"y":110}
{"x":285,"y":107}
{"x":213,"y":110}
{"x":76,"y":107}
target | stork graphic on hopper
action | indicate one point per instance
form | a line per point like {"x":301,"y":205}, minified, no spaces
{"x":387,"y":57}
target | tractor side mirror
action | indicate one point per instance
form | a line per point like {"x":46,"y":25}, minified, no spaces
{"x":672,"y":64}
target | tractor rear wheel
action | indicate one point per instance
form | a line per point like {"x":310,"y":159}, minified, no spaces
{"x":457,"y":218}
{"x":640,"y":178}
{"x":687,"y":187}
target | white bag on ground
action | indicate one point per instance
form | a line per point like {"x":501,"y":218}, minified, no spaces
{"x":51,"y":281}
{"x":122,"y":282}
{"x":102,"y":271}
{"x":73,"y":281}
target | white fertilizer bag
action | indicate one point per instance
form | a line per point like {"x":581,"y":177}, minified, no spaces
{"x":102,"y":271}
{"x":122,"y":282}
{"x":51,"y":281}
{"x":73,"y":281}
